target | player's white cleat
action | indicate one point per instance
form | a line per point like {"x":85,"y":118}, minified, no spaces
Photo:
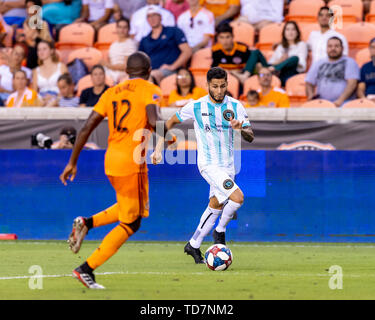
{"x":87,"y":279}
{"x":77,"y":235}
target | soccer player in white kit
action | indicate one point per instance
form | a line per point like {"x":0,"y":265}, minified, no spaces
{"x":215,"y":116}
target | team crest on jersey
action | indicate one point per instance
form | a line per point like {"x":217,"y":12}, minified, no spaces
{"x":207,"y":128}
{"x":228,"y":184}
{"x":228,"y":114}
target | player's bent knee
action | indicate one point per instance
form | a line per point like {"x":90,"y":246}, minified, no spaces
{"x":237,"y":196}
{"x":134,"y":226}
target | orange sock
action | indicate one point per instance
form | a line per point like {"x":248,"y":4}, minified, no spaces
{"x":107,"y":216}
{"x":111,"y":243}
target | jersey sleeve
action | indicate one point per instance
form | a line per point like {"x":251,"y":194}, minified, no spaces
{"x":102,"y":106}
{"x":186,"y":112}
{"x":242,"y":116}
{"x":153,"y":97}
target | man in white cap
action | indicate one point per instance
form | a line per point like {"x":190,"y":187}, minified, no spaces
{"x":139,"y":27}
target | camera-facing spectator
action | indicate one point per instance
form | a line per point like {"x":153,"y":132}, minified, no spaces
{"x":14,"y":63}
{"x":46,"y":75}
{"x":13,"y":11}
{"x":366,"y":86}
{"x":224,"y":11}
{"x":119,"y":51}
{"x":96,"y":13}
{"x":125,"y":9}
{"x":252,"y":99}
{"x":186,"y":89}
{"x":139,"y":25}
{"x":198,"y":25}
{"x":166,"y":46}
{"x":177,"y":7}
{"x":23,"y":96}
{"x":68,"y":136}
{"x":334,"y":78}
{"x":90,"y":96}
{"x":66,"y":97}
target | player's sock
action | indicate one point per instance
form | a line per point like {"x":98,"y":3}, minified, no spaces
{"x":206,"y":224}
{"x":107,"y":216}
{"x":109,"y":246}
{"x":228,"y":212}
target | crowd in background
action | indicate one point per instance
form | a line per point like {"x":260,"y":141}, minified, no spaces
{"x":171,"y":32}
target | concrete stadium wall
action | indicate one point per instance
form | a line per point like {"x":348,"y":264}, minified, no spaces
{"x":290,"y":196}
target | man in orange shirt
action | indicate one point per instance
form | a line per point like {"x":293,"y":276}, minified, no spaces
{"x":222,"y":9}
{"x":131,"y":108}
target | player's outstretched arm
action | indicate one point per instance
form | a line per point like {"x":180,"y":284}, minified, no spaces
{"x":70,"y":170}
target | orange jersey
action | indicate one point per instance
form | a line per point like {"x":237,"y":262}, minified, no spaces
{"x":125,"y":107}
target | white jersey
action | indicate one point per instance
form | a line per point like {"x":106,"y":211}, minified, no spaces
{"x":215,"y":136}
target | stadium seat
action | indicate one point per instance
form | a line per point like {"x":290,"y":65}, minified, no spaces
{"x":358,"y":36}
{"x":167,"y":85}
{"x":371,"y":15}
{"x":306,"y":29}
{"x":269,"y":36}
{"x":90,"y":56}
{"x":201,"y":60}
{"x":295,"y":88}
{"x":318,"y":103}
{"x":359,"y":103}
{"x":106,"y":36}
{"x":86,"y":82}
{"x":305,"y":11}
{"x":253,"y":84}
{"x":363,"y":56}
{"x":243,"y":32}
{"x":350,"y":10}
{"x":75,"y":36}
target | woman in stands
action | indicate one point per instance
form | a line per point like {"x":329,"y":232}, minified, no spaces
{"x":290,"y":55}
{"x":23,"y":96}
{"x":45,"y":76}
{"x":186,"y":89}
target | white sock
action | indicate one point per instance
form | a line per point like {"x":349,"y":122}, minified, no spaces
{"x":206,"y":224}
{"x":228,"y":211}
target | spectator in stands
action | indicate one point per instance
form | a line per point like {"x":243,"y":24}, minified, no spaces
{"x":186,"y":89}
{"x":3,"y":32}
{"x":334,"y":78}
{"x":68,"y":136}
{"x":269,"y":96}
{"x":260,"y":13}
{"x":23,"y":96}
{"x":97,"y":13}
{"x":7,"y":70}
{"x":119,"y":51}
{"x":166,"y":46}
{"x":46,"y":75}
{"x":198,"y":25}
{"x":90,"y":96}
{"x":366,"y":86}
{"x":66,"y":97}
{"x":234,"y":56}
{"x":252,"y":99}
{"x":125,"y":9}
{"x":139,"y":25}
{"x":14,"y":12}
{"x":177,"y":7}
{"x":290,"y":56}
{"x":317,"y":41}
{"x":224,"y":11}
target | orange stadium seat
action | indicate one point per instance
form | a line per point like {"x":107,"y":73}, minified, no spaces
{"x":106,"y":36}
{"x":295,"y":88}
{"x":306,"y":29}
{"x":167,"y":85}
{"x":253,"y":84}
{"x":86,"y":82}
{"x":269,"y":36}
{"x":304,"y":10}
{"x":350,"y":10}
{"x":371,"y":15}
{"x":318,"y":103}
{"x":75,"y":36}
{"x":90,"y":56}
{"x":358,"y":36}
{"x":201,"y":60}
{"x":243,"y":32}
{"x":363,"y":56}
{"x":359,"y":103}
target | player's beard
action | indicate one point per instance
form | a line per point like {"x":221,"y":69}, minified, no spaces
{"x":216,"y":100}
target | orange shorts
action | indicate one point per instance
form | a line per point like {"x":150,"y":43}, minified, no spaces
{"x":132,"y":196}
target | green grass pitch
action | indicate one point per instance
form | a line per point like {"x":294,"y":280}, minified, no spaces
{"x":160,"y":270}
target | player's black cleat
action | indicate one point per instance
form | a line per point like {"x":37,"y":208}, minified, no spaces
{"x":219,"y":237}
{"x":86,"y":278}
{"x":195,"y":253}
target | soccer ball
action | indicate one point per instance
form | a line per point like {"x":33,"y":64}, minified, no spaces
{"x":218,"y":257}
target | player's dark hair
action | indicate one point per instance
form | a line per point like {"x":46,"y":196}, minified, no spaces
{"x":216,"y":73}
{"x":225,"y":27}
{"x":192,"y":83}
{"x":138,"y":65}
{"x":67,"y":78}
{"x":336,"y":38}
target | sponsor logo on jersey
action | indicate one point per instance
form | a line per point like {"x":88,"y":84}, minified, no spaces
{"x":228,"y":114}
{"x":228,"y":184}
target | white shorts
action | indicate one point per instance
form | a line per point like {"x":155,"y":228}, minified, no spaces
{"x":221,"y":181}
